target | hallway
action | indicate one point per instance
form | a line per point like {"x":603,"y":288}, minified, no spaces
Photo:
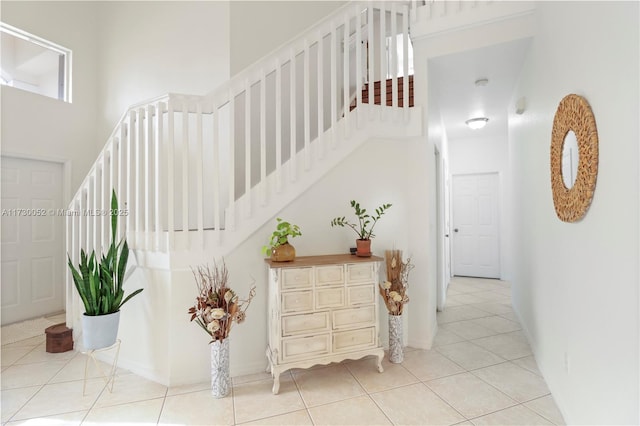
{"x":479,"y":372}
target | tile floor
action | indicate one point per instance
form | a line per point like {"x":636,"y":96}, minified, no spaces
{"x":479,"y":372}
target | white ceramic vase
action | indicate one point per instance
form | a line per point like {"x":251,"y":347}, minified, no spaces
{"x":396,"y":355}
{"x":220,"y":379}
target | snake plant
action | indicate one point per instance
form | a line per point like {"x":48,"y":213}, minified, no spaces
{"x":99,"y":281}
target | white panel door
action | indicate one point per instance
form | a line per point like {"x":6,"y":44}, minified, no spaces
{"x":33,"y":258}
{"x":475,"y":226}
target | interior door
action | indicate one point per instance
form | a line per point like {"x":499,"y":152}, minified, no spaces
{"x":32,"y":239}
{"x":476,"y":240}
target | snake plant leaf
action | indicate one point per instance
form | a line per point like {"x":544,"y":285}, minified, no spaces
{"x":114,"y":215}
{"x":130,"y":296}
{"x":79,"y":282}
{"x":122,"y":265}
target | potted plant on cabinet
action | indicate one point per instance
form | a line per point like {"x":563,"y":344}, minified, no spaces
{"x":279,"y":248}
{"x":363,"y":228}
{"x":99,"y":283}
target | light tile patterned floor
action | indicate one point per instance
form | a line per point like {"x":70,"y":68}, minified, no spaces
{"x":480,"y":372}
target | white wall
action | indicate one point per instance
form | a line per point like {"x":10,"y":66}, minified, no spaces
{"x":148,"y":49}
{"x":421,"y":220}
{"x":41,"y":127}
{"x":258,"y":27}
{"x":478,"y":155}
{"x":123,"y":53}
{"x":575,"y":286}
{"x":487,"y":155}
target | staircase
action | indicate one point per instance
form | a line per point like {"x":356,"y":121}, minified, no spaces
{"x":193,"y":172}
{"x":393,"y":94}
{"x":197,"y":175}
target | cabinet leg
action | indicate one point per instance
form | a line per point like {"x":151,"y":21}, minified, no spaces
{"x":276,"y":384}
{"x":380,"y":369}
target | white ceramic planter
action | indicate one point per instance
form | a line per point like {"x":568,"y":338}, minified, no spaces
{"x":100,"y":331}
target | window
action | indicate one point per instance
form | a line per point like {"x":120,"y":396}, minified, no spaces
{"x":34,"y":64}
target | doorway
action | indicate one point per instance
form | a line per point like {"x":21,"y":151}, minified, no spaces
{"x":32,"y":241}
{"x":476,"y":228}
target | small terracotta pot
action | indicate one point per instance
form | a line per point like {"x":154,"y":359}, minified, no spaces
{"x":363,"y":248}
{"x":283,"y":253}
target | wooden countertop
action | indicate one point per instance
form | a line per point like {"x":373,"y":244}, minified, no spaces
{"x":329,"y":259}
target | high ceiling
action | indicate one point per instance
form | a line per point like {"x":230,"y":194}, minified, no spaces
{"x":459,"y":99}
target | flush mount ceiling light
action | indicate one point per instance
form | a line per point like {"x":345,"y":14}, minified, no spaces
{"x":477,"y":123}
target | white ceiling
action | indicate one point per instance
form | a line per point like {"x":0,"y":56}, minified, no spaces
{"x":459,"y":99}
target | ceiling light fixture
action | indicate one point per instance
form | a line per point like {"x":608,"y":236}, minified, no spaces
{"x":477,"y":123}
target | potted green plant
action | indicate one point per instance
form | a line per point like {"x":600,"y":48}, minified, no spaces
{"x":99,"y":283}
{"x":363,"y":228}
{"x":279,"y":248}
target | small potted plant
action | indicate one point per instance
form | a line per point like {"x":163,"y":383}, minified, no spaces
{"x":99,"y":282}
{"x":363,"y":228}
{"x":279,"y":248}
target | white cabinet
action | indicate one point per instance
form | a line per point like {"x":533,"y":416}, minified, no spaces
{"x":322,"y":309}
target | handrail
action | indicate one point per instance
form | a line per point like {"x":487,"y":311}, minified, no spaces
{"x":163,"y":149}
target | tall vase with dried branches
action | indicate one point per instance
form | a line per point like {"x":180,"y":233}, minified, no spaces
{"x":394,"y":294}
{"x":217,"y":308}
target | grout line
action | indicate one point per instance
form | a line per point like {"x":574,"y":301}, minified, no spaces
{"x":26,"y":402}
{"x":384,"y":413}
{"x":233,"y":401}
{"x":541,"y":414}
{"x":164,"y":401}
{"x":445,"y":401}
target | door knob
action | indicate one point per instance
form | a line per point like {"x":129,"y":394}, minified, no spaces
{"x":455,"y":230}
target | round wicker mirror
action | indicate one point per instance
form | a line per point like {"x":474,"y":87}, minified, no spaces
{"x":574,"y":114}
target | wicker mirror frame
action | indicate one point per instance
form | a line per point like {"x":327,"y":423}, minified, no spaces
{"x":574,"y":114}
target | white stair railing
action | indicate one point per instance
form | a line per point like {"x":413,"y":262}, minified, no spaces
{"x":183,"y":166}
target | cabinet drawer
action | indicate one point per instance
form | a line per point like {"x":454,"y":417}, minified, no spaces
{"x":361,"y":295}
{"x":329,"y":275}
{"x":359,"y":273}
{"x":305,"y":347}
{"x":295,"y":278}
{"x":355,"y":317}
{"x":330,"y":298}
{"x":305,"y":324}
{"x":297,"y":301}
{"x":354,"y":339}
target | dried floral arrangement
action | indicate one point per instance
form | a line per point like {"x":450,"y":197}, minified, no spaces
{"x":217,"y":306}
{"x":394,"y":290}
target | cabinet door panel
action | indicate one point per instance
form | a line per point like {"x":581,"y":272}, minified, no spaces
{"x":361,"y":295}
{"x":359,"y":273}
{"x":329,"y":275}
{"x":297,"y":301}
{"x":305,"y":324}
{"x":354,"y":339}
{"x":330,"y":298}
{"x":296,"y":278}
{"x":356,"y":317}
{"x":305,"y":347}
